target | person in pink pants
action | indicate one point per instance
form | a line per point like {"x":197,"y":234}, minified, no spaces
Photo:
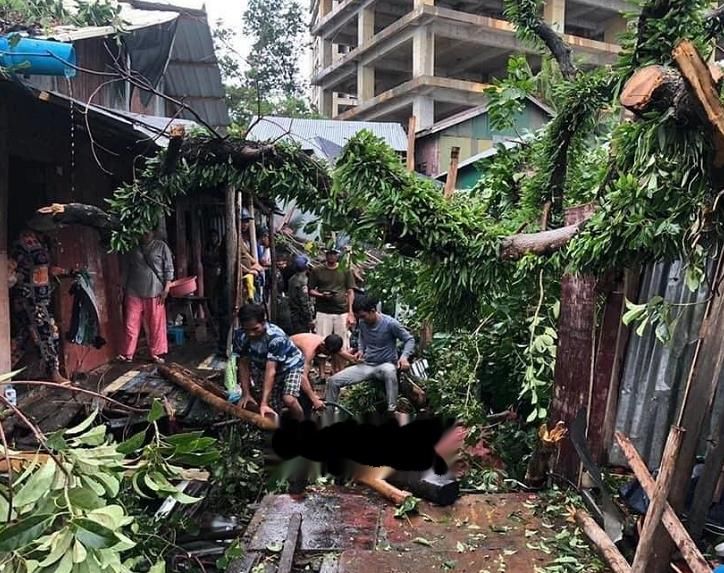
{"x":148,"y":276}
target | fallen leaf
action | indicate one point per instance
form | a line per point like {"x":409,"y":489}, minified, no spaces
{"x":422,"y":541}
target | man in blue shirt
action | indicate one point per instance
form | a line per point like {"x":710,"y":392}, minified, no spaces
{"x":378,"y":338}
{"x":266,"y":353}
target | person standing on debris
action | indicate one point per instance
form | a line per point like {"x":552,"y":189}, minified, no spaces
{"x":378,"y":338}
{"x":268,"y":356}
{"x":333,"y":289}
{"x":300,"y":303}
{"x":32,"y":302}
{"x":148,"y":271}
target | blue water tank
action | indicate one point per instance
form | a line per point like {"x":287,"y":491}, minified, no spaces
{"x":37,"y":57}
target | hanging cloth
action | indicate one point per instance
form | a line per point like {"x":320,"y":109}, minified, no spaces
{"x":85,"y":326}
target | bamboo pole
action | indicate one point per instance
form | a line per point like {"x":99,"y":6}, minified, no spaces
{"x":603,"y":543}
{"x":690,"y":552}
{"x":273,"y":272}
{"x":645,"y":548}
{"x":452,"y":173}
{"x":252,"y":233}
{"x":232,"y":247}
{"x":181,"y":377}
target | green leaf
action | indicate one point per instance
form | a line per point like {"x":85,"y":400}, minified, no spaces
{"x":37,"y":485}
{"x":158,"y":567}
{"x":186,"y":499}
{"x":60,"y":546}
{"x":24,"y":532}
{"x":132,"y":444}
{"x":111,"y":484}
{"x":56,"y":441}
{"x":94,"y":437}
{"x":157,"y":412}
{"x":94,"y":535}
{"x":66,"y":563}
{"x":79,"y":552}
{"x":422,"y":541}
{"x":274,"y":547}
{"x":85,"y":498}
{"x":83,"y":426}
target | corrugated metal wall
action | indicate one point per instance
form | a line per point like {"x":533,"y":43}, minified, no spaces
{"x":654,"y":376}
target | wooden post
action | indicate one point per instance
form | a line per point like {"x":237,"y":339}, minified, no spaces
{"x":680,"y":536}
{"x":452,"y":173}
{"x":232,"y":239}
{"x":182,"y":251}
{"x":252,"y":233}
{"x":286,"y":560}
{"x":706,"y":486}
{"x":644,"y":551}
{"x":605,"y":546}
{"x":411,"y":127}
{"x":197,"y":247}
{"x":273,"y":310}
{"x":5,"y":355}
{"x":576,"y":329}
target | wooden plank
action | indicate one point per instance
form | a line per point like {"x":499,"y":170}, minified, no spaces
{"x":678,"y":533}
{"x":197,"y":247}
{"x":230,"y":222}
{"x":644,"y":551}
{"x":182,"y":251}
{"x":601,"y":541}
{"x":273,"y":301}
{"x":452,"y":173}
{"x":286,"y":561}
{"x":5,"y":354}
{"x":411,"y":128}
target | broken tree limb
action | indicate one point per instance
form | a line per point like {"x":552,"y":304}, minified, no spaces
{"x":655,"y":87}
{"x":601,"y":541}
{"x":560,"y":50}
{"x":704,"y":89}
{"x":541,"y":460}
{"x":689,"y":551}
{"x":515,"y":247}
{"x":81,"y":214}
{"x":181,"y":377}
{"x":659,"y":501}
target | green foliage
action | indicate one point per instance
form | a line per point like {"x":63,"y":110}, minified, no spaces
{"x":45,"y":13}
{"x":509,"y":95}
{"x":73,"y":507}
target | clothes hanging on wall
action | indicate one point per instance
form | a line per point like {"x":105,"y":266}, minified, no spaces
{"x":85,"y":327}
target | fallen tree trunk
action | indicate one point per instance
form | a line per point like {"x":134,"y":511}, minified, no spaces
{"x":602,"y":542}
{"x":181,"y":377}
{"x":516,"y":247}
{"x":82,"y":214}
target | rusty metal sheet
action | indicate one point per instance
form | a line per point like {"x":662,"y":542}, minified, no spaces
{"x":332,"y":520}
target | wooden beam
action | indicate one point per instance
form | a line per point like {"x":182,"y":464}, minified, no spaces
{"x":286,"y":560}
{"x":197,"y":247}
{"x":411,"y":127}
{"x":5,"y":354}
{"x":182,"y":249}
{"x":680,"y":536}
{"x":231,"y":216}
{"x":273,"y":300}
{"x":658,"y":502}
{"x":452,"y":173}
{"x":602,"y":542}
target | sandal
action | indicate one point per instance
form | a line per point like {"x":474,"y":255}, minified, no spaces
{"x":125,"y":359}
{"x":157,"y":360}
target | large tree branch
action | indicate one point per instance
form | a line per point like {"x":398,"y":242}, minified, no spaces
{"x":560,"y":50}
{"x":515,"y":247}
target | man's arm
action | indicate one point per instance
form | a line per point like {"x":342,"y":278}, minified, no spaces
{"x":349,"y":357}
{"x":317,"y":404}
{"x":408,"y":341}
{"x":244,"y":378}
{"x":167,"y":271}
{"x":349,"y":285}
{"x":270,"y":373}
{"x":313,"y":285}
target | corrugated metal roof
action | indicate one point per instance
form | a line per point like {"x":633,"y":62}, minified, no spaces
{"x":193,"y":74}
{"x":654,"y":376}
{"x":305,"y":131}
{"x":134,"y":19}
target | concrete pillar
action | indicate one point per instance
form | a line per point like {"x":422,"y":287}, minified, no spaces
{"x":326,"y":57}
{"x":325,"y":7}
{"x":423,"y":108}
{"x":613,"y":29}
{"x":326,"y":100}
{"x":554,"y":13}
{"x":365,"y":25}
{"x":423,"y":52}
{"x":365,"y":82}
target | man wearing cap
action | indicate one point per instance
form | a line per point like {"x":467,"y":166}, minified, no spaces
{"x":333,"y":290}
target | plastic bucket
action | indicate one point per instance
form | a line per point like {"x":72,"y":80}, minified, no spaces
{"x":183,"y":287}
{"x":37,"y":57}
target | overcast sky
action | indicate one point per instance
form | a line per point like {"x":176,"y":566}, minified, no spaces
{"x":230,"y":11}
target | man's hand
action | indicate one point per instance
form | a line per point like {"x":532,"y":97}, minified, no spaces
{"x":162,"y":297}
{"x":318,"y":404}
{"x":357,"y":356}
{"x":266,"y":410}
{"x":403,"y":364}
{"x":246,"y":400}
{"x":351,"y":320}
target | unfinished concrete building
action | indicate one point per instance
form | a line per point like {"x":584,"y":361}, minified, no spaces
{"x":386,"y":60}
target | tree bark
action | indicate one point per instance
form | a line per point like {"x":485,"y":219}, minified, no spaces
{"x":181,"y":377}
{"x":601,"y":541}
{"x":515,"y":247}
{"x":680,"y":536}
{"x":81,"y":214}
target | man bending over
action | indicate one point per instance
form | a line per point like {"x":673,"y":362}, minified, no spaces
{"x":378,"y":337}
